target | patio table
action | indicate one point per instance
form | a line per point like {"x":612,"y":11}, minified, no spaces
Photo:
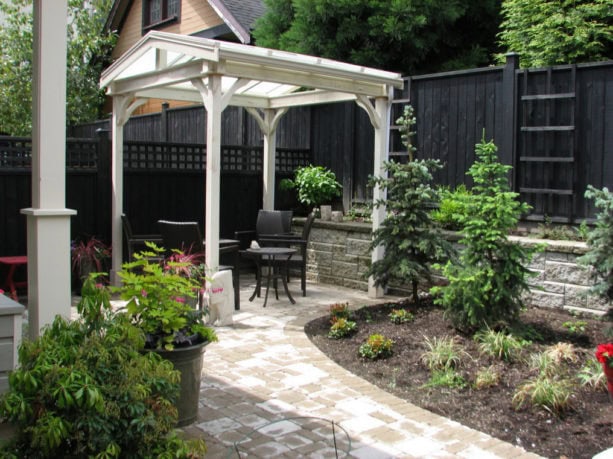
{"x":276,"y":259}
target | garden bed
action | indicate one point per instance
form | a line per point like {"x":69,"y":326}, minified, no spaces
{"x":582,"y":431}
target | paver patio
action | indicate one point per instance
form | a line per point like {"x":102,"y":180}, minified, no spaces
{"x":264,"y":372}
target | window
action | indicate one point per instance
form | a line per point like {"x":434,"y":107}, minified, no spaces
{"x":160,"y":12}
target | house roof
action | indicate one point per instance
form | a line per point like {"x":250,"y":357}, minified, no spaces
{"x":238,"y":15}
{"x":164,"y":65}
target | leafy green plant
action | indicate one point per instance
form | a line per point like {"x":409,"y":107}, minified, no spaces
{"x":446,"y":377}
{"x":316,"y":185}
{"x":486,"y":285}
{"x":451,"y":207}
{"x":557,"y":232}
{"x":576,"y":327}
{"x":342,"y":328}
{"x":499,"y":344}
{"x":599,"y":242}
{"x":400,"y":316}
{"x":549,"y":393}
{"x":411,"y":239}
{"x":157,"y":295}
{"x":591,"y":375}
{"x":359,"y":213}
{"x":85,"y":389}
{"x":442,"y":354}
{"x":339,"y":311}
{"x":377,"y":346}
{"x":487,"y":377}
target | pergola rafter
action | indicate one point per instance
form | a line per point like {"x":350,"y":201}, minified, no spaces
{"x":266,"y":82}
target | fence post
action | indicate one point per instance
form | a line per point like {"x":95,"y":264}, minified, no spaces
{"x":164,"y":122}
{"x":509,"y":114}
{"x":103,"y":185}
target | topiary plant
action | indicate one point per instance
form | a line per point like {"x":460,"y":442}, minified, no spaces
{"x":487,"y":284}
{"x":85,"y":389}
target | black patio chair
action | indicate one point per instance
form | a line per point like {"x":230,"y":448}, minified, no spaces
{"x":186,"y":236}
{"x":298,"y":260}
{"x":136,"y":242}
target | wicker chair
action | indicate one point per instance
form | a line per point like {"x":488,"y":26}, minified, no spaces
{"x":136,"y":242}
{"x":186,"y":236}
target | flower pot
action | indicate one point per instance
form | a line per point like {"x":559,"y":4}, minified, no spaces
{"x":326,"y":212}
{"x":608,"y":371}
{"x":188,"y":361}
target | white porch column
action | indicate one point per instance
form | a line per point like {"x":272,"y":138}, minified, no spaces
{"x":268,"y":125}
{"x":123,"y":107}
{"x":381,"y":154}
{"x":48,"y":220}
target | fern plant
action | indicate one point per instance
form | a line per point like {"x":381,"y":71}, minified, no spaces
{"x":486,"y":286}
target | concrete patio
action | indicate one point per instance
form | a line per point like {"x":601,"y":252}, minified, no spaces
{"x":264,"y":372}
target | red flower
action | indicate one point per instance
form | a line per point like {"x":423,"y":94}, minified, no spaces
{"x":604,"y":354}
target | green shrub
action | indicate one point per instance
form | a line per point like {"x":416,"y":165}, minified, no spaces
{"x":342,"y":328}
{"x":85,"y":389}
{"x":412,"y":240}
{"x":599,"y":242}
{"x":487,"y":377}
{"x":442,"y":354}
{"x":316,"y":185}
{"x":377,"y":346}
{"x":451,"y":207}
{"x":499,"y":344}
{"x":400,"y":316}
{"x":486,"y":285}
{"x":549,"y":393}
{"x":447,"y":377}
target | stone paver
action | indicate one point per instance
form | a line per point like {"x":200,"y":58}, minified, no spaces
{"x":264,"y":380}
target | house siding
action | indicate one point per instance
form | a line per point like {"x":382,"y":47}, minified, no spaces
{"x":196,"y":15}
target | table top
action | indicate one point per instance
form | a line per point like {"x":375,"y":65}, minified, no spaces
{"x":272,"y":251}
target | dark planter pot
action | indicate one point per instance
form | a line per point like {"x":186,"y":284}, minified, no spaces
{"x":608,"y":371}
{"x":188,"y":361}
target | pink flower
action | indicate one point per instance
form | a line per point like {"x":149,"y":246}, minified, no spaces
{"x":99,"y":286}
{"x":180,"y":299}
{"x":143,"y":293}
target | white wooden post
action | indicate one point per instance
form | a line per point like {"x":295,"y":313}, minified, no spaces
{"x":381,"y":154}
{"x":48,"y":220}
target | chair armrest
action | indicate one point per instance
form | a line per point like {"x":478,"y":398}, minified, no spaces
{"x":244,"y":238}
{"x":282,"y":240}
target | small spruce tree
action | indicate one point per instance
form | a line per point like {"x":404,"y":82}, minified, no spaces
{"x":600,"y":243}
{"x":485,"y":287}
{"x":412,"y":240}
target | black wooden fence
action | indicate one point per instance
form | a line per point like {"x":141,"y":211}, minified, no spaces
{"x":161,"y":181}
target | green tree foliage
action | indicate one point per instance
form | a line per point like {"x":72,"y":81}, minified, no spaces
{"x":600,"y":242}
{"x":486,"y":285}
{"x":550,"y":32}
{"x":400,"y":35}
{"x":411,"y":239}
{"x":88,"y":51}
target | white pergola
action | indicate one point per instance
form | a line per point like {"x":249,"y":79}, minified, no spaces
{"x":218,"y":74}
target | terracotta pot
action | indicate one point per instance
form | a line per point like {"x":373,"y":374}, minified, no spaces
{"x":608,"y":371}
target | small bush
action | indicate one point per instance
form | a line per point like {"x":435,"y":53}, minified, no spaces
{"x":487,"y":377}
{"x":400,"y":316}
{"x":562,"y":352}
{"x":549,"y":393}
{"x":451,"y":207}
{"x":446,"y":378}
{"x":575,"y":327}
{"x":377,"y":346}
{"x":544,"y":364}
{"x":591,"y":375}
{"x":442,"y":354}
{"x":342,"y":328}
{"x":339,"y":311}
{"x":500,"y":345}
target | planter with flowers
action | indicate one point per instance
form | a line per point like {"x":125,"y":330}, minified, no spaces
{"x":159,"y":297}
{"x":604,"y":354}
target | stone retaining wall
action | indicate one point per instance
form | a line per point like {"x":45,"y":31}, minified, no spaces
{"x":338,"y":254}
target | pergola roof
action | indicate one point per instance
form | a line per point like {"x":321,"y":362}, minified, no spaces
{"x":162,"y":65}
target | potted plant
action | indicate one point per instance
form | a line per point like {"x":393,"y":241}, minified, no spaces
{"x":84,"y":388}
{"x":88,"y":256}
{"x":316,"y":186}
{"x":604,"y":354}
{"x":158,"y":298}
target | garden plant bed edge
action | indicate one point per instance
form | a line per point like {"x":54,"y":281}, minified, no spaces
{"x":581,"y":432}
